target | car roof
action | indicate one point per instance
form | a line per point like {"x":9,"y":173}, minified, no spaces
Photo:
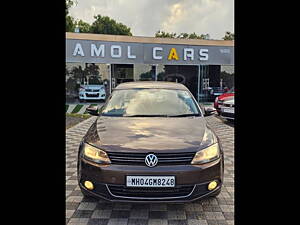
{"x":151,"y":84}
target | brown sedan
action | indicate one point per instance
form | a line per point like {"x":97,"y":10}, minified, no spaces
{"x":150,"y":143}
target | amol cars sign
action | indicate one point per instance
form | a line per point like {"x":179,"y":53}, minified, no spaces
{"x":92,"y":51}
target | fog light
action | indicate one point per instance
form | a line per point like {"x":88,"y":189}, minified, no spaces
{"x":212,"y":185}
{"x":89,"y":185}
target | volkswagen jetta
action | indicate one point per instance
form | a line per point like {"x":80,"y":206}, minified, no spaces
{"x":150,"y":143}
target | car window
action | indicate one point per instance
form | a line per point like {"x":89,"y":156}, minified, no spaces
{"x":94,"y":81}
{"x":150,"y":102}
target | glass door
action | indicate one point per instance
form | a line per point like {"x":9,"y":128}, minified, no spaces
{"x":203,"y":83}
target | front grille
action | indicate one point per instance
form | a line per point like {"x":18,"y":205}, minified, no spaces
{"x":150,"y":192}
{"x":122,"y":158}
{"x":228,"y":105}
{"x":92,"y":95}
{"x":92,"y":90}
{"x":230,"y":115}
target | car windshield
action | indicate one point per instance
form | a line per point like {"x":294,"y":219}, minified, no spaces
{"x":94,"y":81}
{"x":151,"y":102}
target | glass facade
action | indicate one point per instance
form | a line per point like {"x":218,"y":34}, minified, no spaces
{"x":204,"y":81}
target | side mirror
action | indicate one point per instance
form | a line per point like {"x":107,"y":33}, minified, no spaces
{"x":93,"y":110}
{"x":209,"y":111}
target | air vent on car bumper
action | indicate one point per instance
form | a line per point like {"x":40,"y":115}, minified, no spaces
{"x":148,"y":192}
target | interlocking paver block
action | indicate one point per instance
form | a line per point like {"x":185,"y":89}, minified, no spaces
{"x":80,"y":210}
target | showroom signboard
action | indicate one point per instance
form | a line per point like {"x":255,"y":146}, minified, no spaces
{"x":91,"y":51}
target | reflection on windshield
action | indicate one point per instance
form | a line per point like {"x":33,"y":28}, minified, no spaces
{"x":150,"y":102}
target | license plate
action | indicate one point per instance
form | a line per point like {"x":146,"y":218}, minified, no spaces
{"x":150,"y":181}
{"x":228,"y":110}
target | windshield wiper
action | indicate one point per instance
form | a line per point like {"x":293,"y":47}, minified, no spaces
{"x":180,"y":115}
{"x":141,"y":115}
{"x":185,"y":115}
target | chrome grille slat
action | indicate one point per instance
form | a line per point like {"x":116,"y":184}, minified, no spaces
{"x":132,"y":158}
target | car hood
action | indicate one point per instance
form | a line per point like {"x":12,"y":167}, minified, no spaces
{"x":152,"y":134}
{"x":230,"y":101}
{"x":225,"y":95}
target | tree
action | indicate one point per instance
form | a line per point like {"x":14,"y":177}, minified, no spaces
{"x":228,"y":36}
{"x":193,"y":35}
{"x":146,"y":76}
{"x":161,"y":76}
{"x":78,"y":73}
{"x":92,"y":69}
{"x":228,"y":79}
{"x":83,"y":26}
{"x":106,"y":25}
{"x":70,"y":25}
{"x":184,"y":35}
{"x":69,"y":4}
{"x":162,"y":34}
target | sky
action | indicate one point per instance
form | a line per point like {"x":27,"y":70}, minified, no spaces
{"x":146,"y":17}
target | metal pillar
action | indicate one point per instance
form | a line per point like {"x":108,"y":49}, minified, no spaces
{"x":199,"y":72}
{"x":156,"y":72}
{"x":110,"y":85}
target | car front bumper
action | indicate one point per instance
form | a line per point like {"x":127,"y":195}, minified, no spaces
{"x":191,"y":181}
{"x":229,"y":116}
{"x":92,"y":96}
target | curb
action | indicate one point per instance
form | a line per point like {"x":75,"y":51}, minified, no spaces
{"x":78,"y":108}
{"x":79,"y":124}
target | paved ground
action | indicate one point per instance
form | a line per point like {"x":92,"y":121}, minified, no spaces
{"x":219,"y":210}
{"x":72,"y":121}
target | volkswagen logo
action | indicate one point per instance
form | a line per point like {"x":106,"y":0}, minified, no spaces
{"x":151,"y":160}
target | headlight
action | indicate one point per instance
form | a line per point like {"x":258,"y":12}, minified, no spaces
{"x":81,"y":89}
{"x":207,"y":155}
{"x":95,"y":154}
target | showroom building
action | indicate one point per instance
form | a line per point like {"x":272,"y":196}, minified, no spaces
{"x":201,"y":65}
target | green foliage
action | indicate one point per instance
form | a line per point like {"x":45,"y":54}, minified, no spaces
{"x":91,"y":69}
{"x":69,"y":4}
{"x":228,"y":36}
{"x":78,"y":73}
{"x":101,"y":25}
{"x":146,"y":76}
{"x":184,"y":35}
{"x":70,"y":24}
{"x":160,"y":76}
{"x":71,"y":85}
{"x":83,"y":26}
{"x":106,"y":25}
{"x":228,"y":79}
{"x":162,"y":34}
